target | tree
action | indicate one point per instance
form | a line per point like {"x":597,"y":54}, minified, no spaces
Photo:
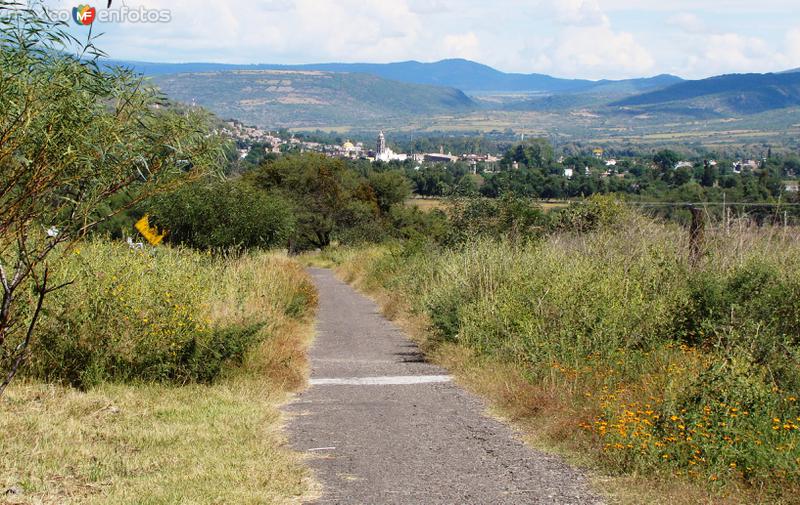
{"x":681,"y":176}
{"x":432,"y":181}
{"x":791,"y":167}
{"x":710,"y":175}
{"x":72,"y":136}
{"x":320,"y":189}
{"x":539,"y":153}
{"x":466,"y":186}
{"x":666,"y":160}
{"x":535,"y":153}
{"x":391,"y":188}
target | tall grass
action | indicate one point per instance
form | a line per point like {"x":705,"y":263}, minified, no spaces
{"x":654,"y":365}
{"x":165,"y":315}
{"x":182,"y":360}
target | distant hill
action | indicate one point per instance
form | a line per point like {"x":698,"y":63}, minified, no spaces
{"x":600,"y":94}
{"x":360,"y":94}
{"x":288,"y":98}
{"x":462,"y":74}
{"x":725,"y":94}
{"x":455,"y":73}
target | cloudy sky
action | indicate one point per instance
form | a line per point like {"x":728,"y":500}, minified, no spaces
{"x":567,"y":38}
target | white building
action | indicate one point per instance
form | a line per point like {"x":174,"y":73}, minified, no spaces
{"x":389,"y":155}
{"x":440,"y":158}
{"x":383,"y":153}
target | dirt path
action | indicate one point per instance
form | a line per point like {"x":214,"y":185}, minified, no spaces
{"x":384,"y":427}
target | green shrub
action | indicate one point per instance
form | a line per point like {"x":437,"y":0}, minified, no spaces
{"x":223,"y":216}
{"x":360,"y":223}
{"x":509,"y":217}
{"x":592,"y":213}
{"x":414,"y":224}
{"x":146,"y":316}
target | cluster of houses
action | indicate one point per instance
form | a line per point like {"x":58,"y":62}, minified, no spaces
{"x":252,"y":135}
{"x":249,"y":135}
{"x":744,"y":165}
{"x":273,"y":143}
{"x":737,"y":167}
{"x":384,"y":153}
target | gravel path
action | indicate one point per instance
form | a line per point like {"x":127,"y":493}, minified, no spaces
{"x":381,"y":426}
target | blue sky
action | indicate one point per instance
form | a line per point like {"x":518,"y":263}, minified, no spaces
{"x":568,"y":38}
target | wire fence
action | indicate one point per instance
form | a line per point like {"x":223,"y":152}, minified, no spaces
{"x":760,"y":213}
{"x":713,"y":204}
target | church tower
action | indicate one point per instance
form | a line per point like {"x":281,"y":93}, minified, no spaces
{"x":381,"y":148}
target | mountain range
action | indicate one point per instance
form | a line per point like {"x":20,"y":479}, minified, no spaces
{"x":328,"y":94}
{"x":468,"y":76}
{"x":726,"y":94}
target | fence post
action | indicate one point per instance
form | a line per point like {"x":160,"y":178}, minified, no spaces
{"x":696,"y":235}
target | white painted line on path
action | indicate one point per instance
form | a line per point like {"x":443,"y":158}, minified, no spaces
{"x":383,"y":381}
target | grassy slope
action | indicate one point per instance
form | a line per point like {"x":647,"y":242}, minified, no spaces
{"x":595,"y":386}
{"x":310,"y":98}
{"x":738,"y":94}
{"x":157,"y":444}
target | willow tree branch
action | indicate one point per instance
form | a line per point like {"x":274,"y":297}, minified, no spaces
{"x":23,"y":347}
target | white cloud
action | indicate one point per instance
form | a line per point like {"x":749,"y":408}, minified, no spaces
{"x":793,"y":48}
{"x":431,"y":6}
{"x":586,"y":45}
{"x":721,"y":6}
{"x":596,"y":52}
{"x":726,"y":53}
{"x":337,"y":30}
{"x":464,"y":45}
{"x":580,"y":12}
{"x":570,"y":38}
{"x":735,"y":52}
{"x":276,"y":5}
{"x":688,"y":22}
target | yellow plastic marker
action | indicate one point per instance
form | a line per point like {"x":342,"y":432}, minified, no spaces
{"x":149,"y":232}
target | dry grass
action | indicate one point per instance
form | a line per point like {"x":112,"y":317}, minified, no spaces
{"x":427,"y":204}
{"x":431,"y":204}
{"x":554,"y":205}
{"x":159,"y":444}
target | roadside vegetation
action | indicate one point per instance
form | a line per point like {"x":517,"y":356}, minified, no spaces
{"x":594,"y":328}
{"x":297,"y":202}
{"x":133,"y":374}
{"x":157,"y":378}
